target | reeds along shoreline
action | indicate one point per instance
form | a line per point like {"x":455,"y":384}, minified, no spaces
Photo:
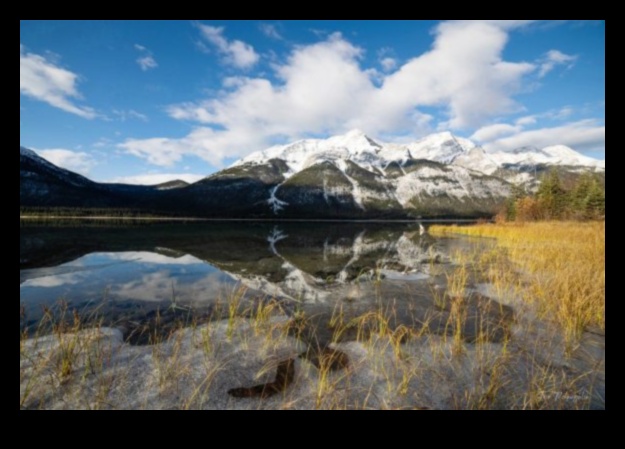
{"x":540,"y":360}
{"x":559,"y":267}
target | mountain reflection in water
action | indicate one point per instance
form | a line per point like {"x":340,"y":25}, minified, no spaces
{"x":129,"y":275}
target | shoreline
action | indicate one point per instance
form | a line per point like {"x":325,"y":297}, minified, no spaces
{"x":295,"y":220}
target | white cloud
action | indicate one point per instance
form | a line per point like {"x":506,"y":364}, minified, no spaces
{"x":270,"y":30}
{"x":323,"y":89}
{"x":554,"y":58}
{"x":388,"y":63}
{"x":561,"y":113}
{"x":236,"y":53}
{"x":490,"y":132}
{"x":53,"y":280}
{"x":527,"y":120}
{"x":464,"y":71}
{"x":45,"y":81}
{"x":582,"y":135}
{"x":157,"y":178}
{"x":553,"y":114}
{"x":146,"y":61}
{"x":75,"y":161}
{"x":128,"y":114}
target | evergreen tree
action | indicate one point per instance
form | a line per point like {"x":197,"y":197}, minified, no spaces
{"x":595,"y":201}
{"x":517,"y":193}
{"x":552,"y":196}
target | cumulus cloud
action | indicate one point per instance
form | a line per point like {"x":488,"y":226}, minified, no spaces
{"x":554,"y":58}
{"x":236,"y":53}
{"x":156,"y":178}
{"x":206,"y":143}
{"x":490,"y":132}
{"x":146,"y":61}
{"x":75,"y":161}
{"x":581,"y":135}
{"x":526,"y":120}
{"x":45,"y":81}
{"x":54,"y":280}
{"x":388,"y":63}
{"x":322,"y":88}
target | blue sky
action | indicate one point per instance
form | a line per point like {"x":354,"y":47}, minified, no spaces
{"x":145,"y":101}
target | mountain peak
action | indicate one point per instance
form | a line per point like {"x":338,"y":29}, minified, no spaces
{"x":355,"y":138}
{"x":442,"y":135}
{"x":26,"y":152}
{"x":355,"y":132}
{"x":443,"y":147}
{"x":561,"y":150}
{"x":440,"y":147}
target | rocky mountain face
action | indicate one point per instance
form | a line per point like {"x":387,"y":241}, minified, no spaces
{"x":346,"y":176}
{"x":354,"y":176}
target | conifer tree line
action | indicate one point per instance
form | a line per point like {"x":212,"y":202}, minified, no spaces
{"x":89,"y":212}
{"x":583,"y":200}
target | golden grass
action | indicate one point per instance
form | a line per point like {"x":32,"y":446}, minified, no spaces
{"x":557,"y":269}
{"x":557,"y":266}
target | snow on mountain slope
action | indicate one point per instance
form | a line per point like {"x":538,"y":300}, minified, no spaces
{"x":441,"y":147}
{"x":563,"y":155}
{"x":477,"y":159}
{"x":441,"y":173}
{"x":357,"y":147}
{"x":347,"y":176}
{"x":354,"y":146}
{"x":552,"y":155}
{"x":527,"y":157}
{"x":450,"y":182}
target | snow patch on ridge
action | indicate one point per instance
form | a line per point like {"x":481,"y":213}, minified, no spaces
{"x":441,"y":147}
{"x":276,"y":204}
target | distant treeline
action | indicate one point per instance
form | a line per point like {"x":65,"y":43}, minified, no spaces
{"x":44,"y":212}
{"x":583,"y":199}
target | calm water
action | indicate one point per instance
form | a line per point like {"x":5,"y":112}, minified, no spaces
{"x":150,"y":279}
{"x":124,"y":274}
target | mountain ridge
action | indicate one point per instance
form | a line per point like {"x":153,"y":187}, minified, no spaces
{"x":349,"y":176}
{"x":441,"y":147}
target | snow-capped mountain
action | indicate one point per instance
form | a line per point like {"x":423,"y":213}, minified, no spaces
{"x":357,"y":147}
{"x":353,"y":175}
{"x":354,"y":146}
{"x":526,"y":159}
{"x":441,"y":147}
{"x":345,"y":176}
{"x":391,"y":160}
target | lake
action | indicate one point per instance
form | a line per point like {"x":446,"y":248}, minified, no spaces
{"x":284,"y":315}
{"x":125,"y":273}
